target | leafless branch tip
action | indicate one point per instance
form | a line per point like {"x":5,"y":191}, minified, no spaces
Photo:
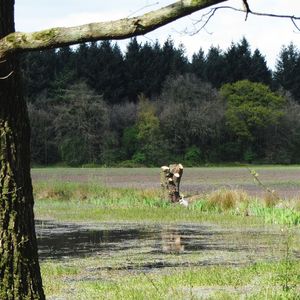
{"x":7,"y":76}
{"x":205,"y":18}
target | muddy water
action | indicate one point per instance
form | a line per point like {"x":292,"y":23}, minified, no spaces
{"x":157,"y":246}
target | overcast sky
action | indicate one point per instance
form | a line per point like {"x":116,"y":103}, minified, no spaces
{"x":266,"y":34}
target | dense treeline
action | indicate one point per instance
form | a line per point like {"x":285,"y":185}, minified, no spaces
{"x":150,"y":105}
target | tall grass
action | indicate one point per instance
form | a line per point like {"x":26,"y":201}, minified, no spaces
{"x":79,"y":201}
{"x":98,"y":195}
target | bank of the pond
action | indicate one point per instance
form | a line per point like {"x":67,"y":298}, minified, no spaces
{"x":91,"y":202}
{"x":73,"y":211}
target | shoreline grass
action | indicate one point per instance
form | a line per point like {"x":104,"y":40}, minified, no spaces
{"x":90,"y":202}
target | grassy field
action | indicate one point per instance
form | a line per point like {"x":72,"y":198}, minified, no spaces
{"x":257,"y":281}
{"x":284,"y":179}
{"x":228,"y":201}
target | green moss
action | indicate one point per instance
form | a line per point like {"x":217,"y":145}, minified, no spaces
{"x":45,"y":34}
{"x":24,"y":37}
{"x":197,"y":2}
{"x":11,"y":38}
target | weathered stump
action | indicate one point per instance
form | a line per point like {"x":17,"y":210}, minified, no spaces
{"x":170,"y":181}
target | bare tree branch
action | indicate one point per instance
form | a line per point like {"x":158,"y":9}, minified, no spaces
{"x":142,"y":8}
{"x":9,"y":74}
{"x":5,"y":77}
{"x":207,"y":16}
{"x":247,"y":8}
{"x":294,"y":23}
{"x":292,"y":18}
{"x":119,"y":29}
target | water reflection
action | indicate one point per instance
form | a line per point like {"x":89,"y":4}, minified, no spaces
{"x":57,"y":240}
{"x":171,"y":241}
{"x":211,"y":244}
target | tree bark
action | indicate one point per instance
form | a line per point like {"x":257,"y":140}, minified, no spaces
{"x":170,"y":182}
{"x":20,"y":276}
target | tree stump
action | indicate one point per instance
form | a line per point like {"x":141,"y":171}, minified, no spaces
{"x":170,"y":181}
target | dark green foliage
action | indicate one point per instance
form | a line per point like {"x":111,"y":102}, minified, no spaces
{"x":258,"y":71}
{"x":130,"y":141}
{"x":238,"y":61}
{"x":287,"y":73}
{"x":39,"y":71}
{"x":251,"y":107}
{"x":73,"y":151}
{"x":44,"y":149}
{"x":249,"y":155}
{"x":91,"y":94}
{"x":215,"y":71}
{"x":284,"y":143}
{"x":193,"y":156}
{"x":198,"y":65}
{"x":101,"y":65}
{"x":252,"y":111}
{"x":134,"y":73}
{"x":151,"y":147}
{"x":173,"y":60}
{"x":147,"y":66}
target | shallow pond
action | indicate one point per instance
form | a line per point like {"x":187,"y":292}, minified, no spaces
{"x":159,"y":246}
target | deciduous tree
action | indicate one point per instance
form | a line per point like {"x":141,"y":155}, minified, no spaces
{"x":191,"y":113}
{"x":250,"y":109}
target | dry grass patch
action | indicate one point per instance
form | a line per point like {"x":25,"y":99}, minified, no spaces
{"x":295,"y":204}
{"x":225,"y":199}
{"x":270,"y":199}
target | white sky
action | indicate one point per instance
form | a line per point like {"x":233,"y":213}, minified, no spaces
{"x":266,"y":34}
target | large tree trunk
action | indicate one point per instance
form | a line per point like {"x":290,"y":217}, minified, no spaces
{"x":20,"y":276}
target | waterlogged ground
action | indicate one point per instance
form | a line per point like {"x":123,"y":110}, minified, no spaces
{"x":285,"y":180}
{"x":103,"y":253}
{"x":190,"y":244}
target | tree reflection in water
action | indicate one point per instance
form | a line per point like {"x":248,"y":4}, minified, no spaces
{"x":171,"y":241}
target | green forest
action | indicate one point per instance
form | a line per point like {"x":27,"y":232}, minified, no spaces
{"x":148,"y":105}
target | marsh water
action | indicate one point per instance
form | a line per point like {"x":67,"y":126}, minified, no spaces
{"x":159,"y":246}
